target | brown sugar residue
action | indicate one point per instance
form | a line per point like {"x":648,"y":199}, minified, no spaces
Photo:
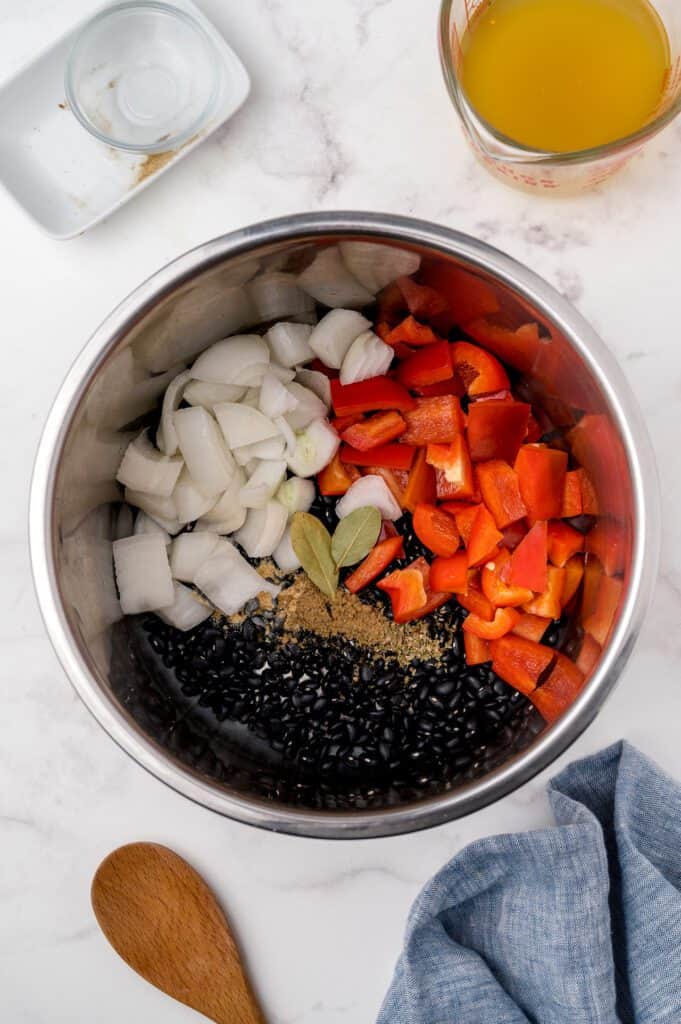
{"x":305,"y":609}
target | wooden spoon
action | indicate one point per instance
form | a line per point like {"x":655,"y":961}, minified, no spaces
{"x":163,"y":920}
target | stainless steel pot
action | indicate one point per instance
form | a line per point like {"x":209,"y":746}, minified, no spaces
{"x":211,"y":292}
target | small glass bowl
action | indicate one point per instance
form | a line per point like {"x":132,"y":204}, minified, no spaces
{"x":142,"y":76}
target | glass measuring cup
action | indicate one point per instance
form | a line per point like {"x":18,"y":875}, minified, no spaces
{"x":542,"y":171}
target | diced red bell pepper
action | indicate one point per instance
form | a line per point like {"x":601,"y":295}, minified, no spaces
{"x":336,"y":479}
{"x":321,"y":367}
{"x":433,"y":421}
{"x":520,"y":662}
{"x":534,"y":430}
{"x":427,"y":366}
{"x":396,"y":479}
{"x":500,"y":491}
{"x":435,"y":601}
{"x":517,"y":347}
{"x":498,"y":592}
{"x":572,"y":495}
{"x":341,"y":423}
{"x":574,"y":573}
{"x":475,"y":602}
{"x":601,"y":620}
{"x":549,"y":604}
{"x":541,"y":472}
{"x":376,"y":562}
{"x":422,"y":301}
{"x":390,"y":304}
{"x":465,"y":517}
{"x":593,"y":570}
{"x":370,"y":395}
{"x":532,"y":627}
{"x":453,"y":386}
{"x":590,"y":504}
{"x":411,"y":332}
{"x":481,"y":372}
{"x":496,"y":429}
{"x":503,"y":622}
{"x":564,"y":542}
{"x":388,"y":456}
{"x":589,"y":653}
{"x":484,"y":539}
{"x":477,"y":650}
{"x":437,"y":530}
{"x":597,"y":447}
{"x":560,"y":689}
{"x":450,"y":574}
{"x":454,"y":477}
{"x":608,"y":542}
{"x":383,"y":330}
{"x":513,"y":535}
{"x":375,"y":431}
{"x":466,"y":294}
{"x":528,"y":561}
{"x":403,"y":351}
{"x":421,"y":485}
{"x":407,"y":591}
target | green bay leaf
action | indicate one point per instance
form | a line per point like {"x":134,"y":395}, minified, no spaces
{"x":312,"y":543}
{"x":355,"y":536}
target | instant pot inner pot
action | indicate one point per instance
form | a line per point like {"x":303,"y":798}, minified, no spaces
{"x":313,"y":724}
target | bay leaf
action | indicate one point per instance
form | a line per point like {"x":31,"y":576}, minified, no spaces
{"x":355,"y":536}
{"x":312,"y":543}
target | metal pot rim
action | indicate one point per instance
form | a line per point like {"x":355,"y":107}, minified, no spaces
{"x":446,"y":806}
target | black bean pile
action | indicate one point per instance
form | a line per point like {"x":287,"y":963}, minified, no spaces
{"x":324,"y":724}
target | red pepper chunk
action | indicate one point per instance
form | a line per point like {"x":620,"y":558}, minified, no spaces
{"x":396,"y":479}
{"x":608,"y":541}
{"x":517,"y":347}
{"x":436,"y":420}
{"x":385,"y":552}
{"x":477,"y":650}
{"x":450,"y":574}
{"x":421,"y":484}
{"x":496,"y":429}
{"x":421,"y":300}
{"x":341,"y":423}
{"x":589,"y":653}
{"x":541,"y":472}
{"x":387,"y":456}
{"x":466,"y":294}
{"x":503,"y":622}
{"x":549,"y":604}
{"x":410,"y":593}
{"x":429,"y":366}
{"x":375,"y":431}
{"x":572,"y":495}
{"x":590,"y":504}
{"x":465,"y":517}
{"x":501,"y":492}
{"x":560,"y":689}
{"x":475,"y":602}
{"x":454,"y":476}
{"x":497,"y":591}
{"x":453,"y":386}
{"x":532,"y":627}
{"x":601,"y":620}
{"x":484,"y":539}
{"x":481,"y":372}
{"x":369,"y":396}
{"x":436,"y":529}
{"x":335,"y":479}
{"x":528,"y":561}
{"x":411,"y":332}
{"x":574,"y":573}
{"x":520,"y":662}
{"x":563,"y":542}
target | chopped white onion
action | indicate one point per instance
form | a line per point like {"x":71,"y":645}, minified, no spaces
{"x":282,"y":373}
{"x":208,"y":459}
{"x":263,"y":529}
{"x":142,"y":573}
{"x":143,"y":468}
{"x":229,"y":581}
{"x":369,"y":492}
{"x":296,"y":495}
{"x":190,"y":501}
{"x":277,"y":295}
{"x":290,"y":343}
{"x":330,"y":282}
{"x":275,"y":398}
{"x":335,"y":333}
{"x":367,"y":357}
{"x":376,"y":266}
{"x":125,"y":523}
{"x":315,"y":448}
{"x":161,"y":509}
{"x":284,"y":555}
{"x":263,"y":484}
{"x":228,"y":514}
{"x":189,"y":552}
{"x":209,"y":394}
{"x":187,"y":611}
{"x":316,"y":381}
{"x":242,"y":425}
{"x":234,"y":360}
{"x":166,"y":437}
{"x":145,"y":524}
{"x":251,"y":398}
{"x":310,"y":407}
{"x":273,"y":448}
{"x":288,"y":434}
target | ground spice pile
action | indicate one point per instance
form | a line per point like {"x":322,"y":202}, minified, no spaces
{"x":304,"y":608}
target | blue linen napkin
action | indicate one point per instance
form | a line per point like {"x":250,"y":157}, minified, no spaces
{"x":578,"y":924}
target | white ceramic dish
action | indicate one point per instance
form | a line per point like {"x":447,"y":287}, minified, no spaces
{"x":64,"y":178}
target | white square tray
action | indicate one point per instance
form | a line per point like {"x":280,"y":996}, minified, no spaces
{"x":64,"y":178}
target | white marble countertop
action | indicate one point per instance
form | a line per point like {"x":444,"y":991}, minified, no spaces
{"x":347,"y":110}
